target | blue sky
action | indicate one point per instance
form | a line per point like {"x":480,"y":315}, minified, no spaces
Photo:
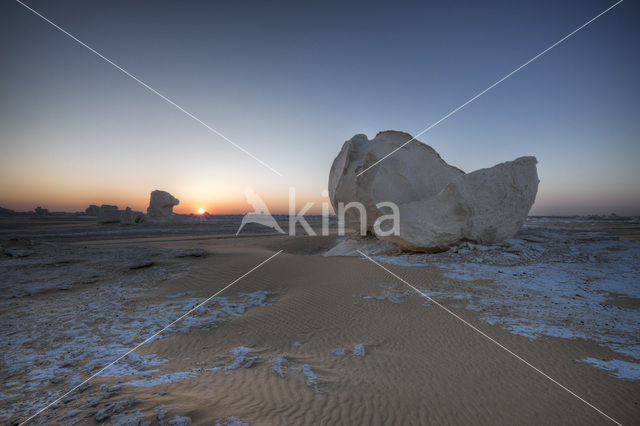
{"x":290,"y":82}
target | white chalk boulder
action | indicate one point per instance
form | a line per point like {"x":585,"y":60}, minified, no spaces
{"x":161,"y":204}
{"x":439,"y":205}
{"x":486,"y":206}
{"x":414,"y":172}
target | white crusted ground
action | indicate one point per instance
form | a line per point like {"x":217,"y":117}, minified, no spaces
{"x":562,"y":281}
{"x":64,"y":315}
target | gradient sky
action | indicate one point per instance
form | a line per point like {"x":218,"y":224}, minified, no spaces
{"x":290,"y":82}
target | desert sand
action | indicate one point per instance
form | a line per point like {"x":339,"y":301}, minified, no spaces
{"x":313,"y":339}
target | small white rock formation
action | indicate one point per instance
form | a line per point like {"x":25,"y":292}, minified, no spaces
{"x":439,"y":205}
{"x":92,"y":210}
{"x":130,"y":217}
{"x":108,"y":214}
{"x":161,"y":204}
{"x":41,"y":212}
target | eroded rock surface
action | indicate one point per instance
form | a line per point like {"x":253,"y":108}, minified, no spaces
{"x":486,"y":206}
{"x":414,"y":172}
{"x":439,"y":205}
{"x":161,"y":204}
{"x":130,"y":217}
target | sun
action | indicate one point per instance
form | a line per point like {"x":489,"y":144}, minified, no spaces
{"x":200,"y":210}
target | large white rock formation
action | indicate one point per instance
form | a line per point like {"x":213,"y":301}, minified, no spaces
{"x":486,"y":206}
{"x":439,"y":205}
{"x":161,"y":204}
{"x":414,"y":172}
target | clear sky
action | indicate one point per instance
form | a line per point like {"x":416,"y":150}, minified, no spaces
{"x":290,"y":82}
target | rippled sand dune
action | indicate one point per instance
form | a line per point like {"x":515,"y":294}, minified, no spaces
{"x":310,"y":339}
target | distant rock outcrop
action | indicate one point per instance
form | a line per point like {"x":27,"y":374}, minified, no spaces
{"x":40,"y":211}
{"x":130,"y":217}
{"x":439,"y":205}
{"x":92,"y":210}
{"x":7,"y":212}
{"x":161,"y":204}
{"x":108,"y":214}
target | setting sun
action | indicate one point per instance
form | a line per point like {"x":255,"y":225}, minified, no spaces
{"x":200,"y":210}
